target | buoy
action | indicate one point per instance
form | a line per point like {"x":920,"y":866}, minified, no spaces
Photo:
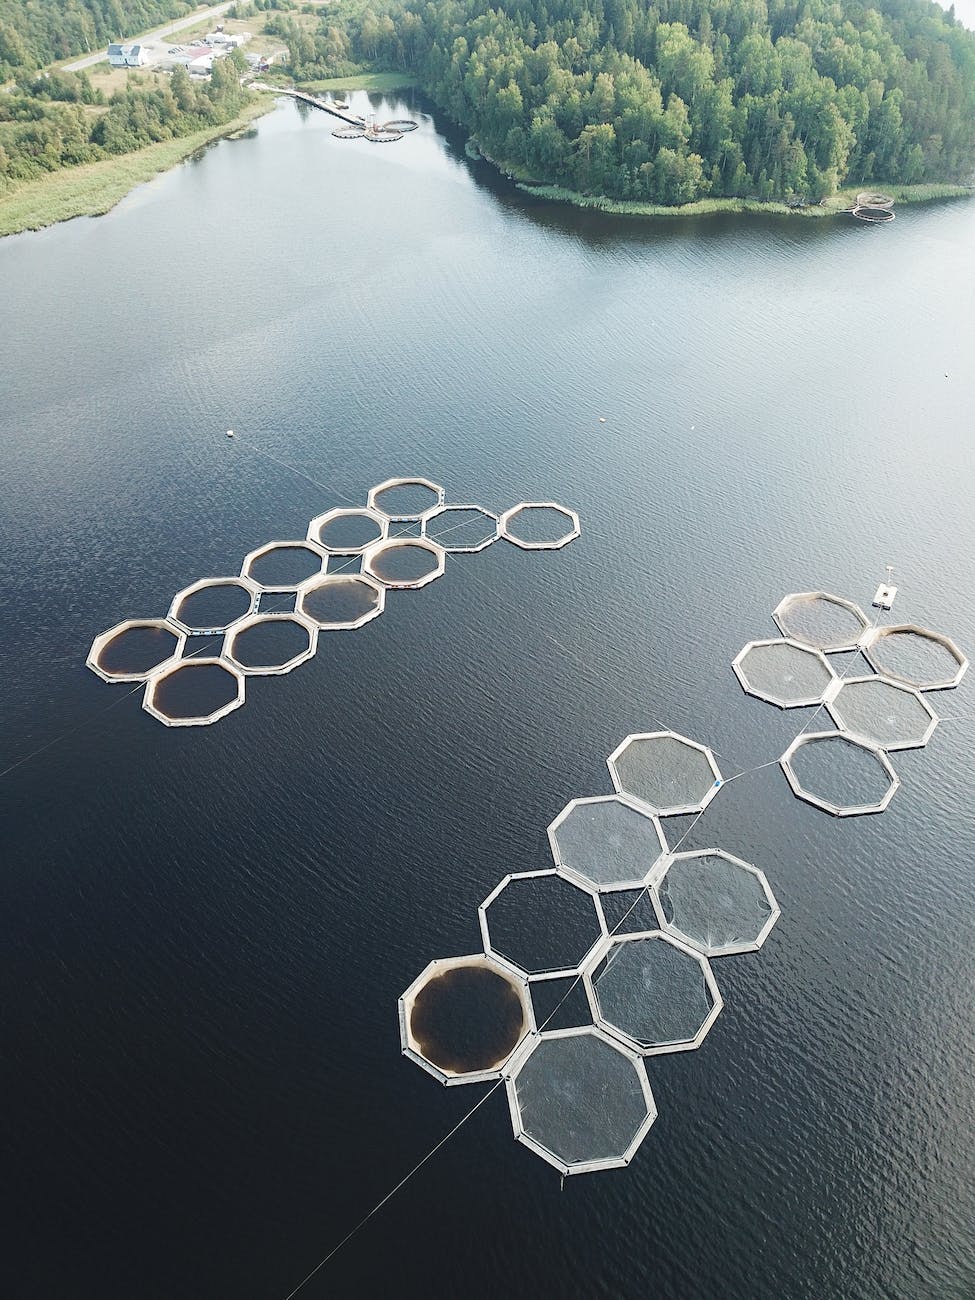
{"x":230,"y":433}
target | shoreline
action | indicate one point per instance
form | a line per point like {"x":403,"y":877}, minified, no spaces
{"x":835,"y":205}
{"x":93,"y":189}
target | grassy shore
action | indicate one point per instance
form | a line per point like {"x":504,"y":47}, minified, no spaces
{"x":94,"y":188}
{"x":839,"y":202}
{"x":363,"y":81}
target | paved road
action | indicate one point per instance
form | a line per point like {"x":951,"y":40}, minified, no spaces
{"x":157,"y":34}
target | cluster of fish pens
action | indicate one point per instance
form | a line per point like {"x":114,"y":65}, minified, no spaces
{"x":876,"y":208}
{"x":336,"y":579}
{"x":356,"y":127}
{"x":580,"y":1097}
{"x":376,"y":132}
{"x":846,"y":771}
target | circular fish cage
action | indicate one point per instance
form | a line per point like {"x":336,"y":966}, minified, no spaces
{"x":874,"y":215}
{"x":383,"y":135}
{"x":462,"y":1018}
{"x":401,"y":124}
{"x":349,"y":132}
{"x":872,"y":199}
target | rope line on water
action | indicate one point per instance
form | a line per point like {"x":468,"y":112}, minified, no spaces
{"x":645,"y":890}
{"x":339,"y":568}
{"x":490,"y":1093}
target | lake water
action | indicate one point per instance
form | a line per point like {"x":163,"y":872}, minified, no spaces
{"x":204,"y":933}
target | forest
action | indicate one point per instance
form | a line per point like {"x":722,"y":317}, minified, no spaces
{"x":670,"y":102}
{"x":55,"y":121}
{"x":37,"y":32}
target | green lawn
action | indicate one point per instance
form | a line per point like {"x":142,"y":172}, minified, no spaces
{"x":94,"y":188}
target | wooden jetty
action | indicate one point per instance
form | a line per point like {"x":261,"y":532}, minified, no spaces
{"x":324,"y":104}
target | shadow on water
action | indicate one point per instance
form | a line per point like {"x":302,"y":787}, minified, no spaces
{"x":611,"y":230}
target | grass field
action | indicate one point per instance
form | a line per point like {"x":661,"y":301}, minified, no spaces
{"x":109,"y":80}
{"x":94,"y":188}
{"x":363,"y":81}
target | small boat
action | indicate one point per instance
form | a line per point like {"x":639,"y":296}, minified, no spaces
{"x":884,"y":597}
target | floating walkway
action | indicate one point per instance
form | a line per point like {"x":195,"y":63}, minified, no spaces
{"x":356,"y":127}
{"x":326,"y":105}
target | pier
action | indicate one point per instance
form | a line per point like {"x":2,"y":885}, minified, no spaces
{"x":325,"y":105}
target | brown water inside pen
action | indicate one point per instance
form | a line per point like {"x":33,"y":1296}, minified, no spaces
{"x":195,"y":691}
{"x":404,"y":563}
{"x":340,"y":601}
{"x":137,"y":650}
{"x":469,"y":1018}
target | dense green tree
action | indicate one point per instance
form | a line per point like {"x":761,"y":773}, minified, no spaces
{"x":45,"y":131}
{"x":681,"y":98}
{"x":36,"y":32}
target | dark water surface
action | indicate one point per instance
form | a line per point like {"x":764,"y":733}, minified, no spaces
{"x":204,"y":933}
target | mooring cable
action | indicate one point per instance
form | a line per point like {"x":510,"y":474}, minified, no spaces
{"x":644,"y":890}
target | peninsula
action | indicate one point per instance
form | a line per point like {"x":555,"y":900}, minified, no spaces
{"x":633,"y":106}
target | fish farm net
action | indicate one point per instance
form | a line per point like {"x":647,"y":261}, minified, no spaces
{"x":464,"y":1017}
{"x":784,"y":673}
{"x":667,"y":773}
{"x":916,"y":656}
{"x":839,"y":773}
{"x":883,"y":712}
{"x":821,"y":620}
{"x":580,"y":1101}
{"x":655,"y":992}
{"x":716,"y":903}
{"x":876,"y":215}
{"x":873,"y":199}
{"x":606,"y":842}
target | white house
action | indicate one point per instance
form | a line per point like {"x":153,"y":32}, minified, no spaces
{"x":127,"y":56}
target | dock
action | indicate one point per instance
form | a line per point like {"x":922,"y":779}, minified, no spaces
{"x":327,"y":106}
{"x":354,"y":128}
